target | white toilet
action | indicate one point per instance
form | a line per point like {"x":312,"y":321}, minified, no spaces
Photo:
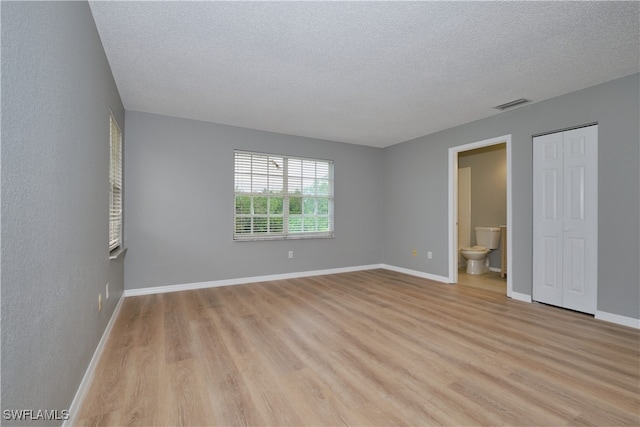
{"x":487,"y":238}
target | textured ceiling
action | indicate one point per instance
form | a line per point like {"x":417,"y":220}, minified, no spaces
{"x":372,"y":73}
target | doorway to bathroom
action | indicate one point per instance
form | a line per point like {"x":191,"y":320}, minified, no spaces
{"x":470,"y":207}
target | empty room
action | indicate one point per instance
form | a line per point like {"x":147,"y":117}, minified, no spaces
{"x":320,"y":213}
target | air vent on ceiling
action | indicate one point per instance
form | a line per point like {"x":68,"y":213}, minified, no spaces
{"x":512,"y":104}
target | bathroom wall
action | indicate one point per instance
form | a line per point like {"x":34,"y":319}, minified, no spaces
{"x":488,"y":190}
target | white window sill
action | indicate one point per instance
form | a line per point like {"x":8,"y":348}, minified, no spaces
{"x":289,"y":237}
{"x":117,"y":253}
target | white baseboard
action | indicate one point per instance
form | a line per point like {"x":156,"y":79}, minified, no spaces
{"x":244,"y":280}
{"x":81,"y":393}
{"x":422,"y":274}
{"x":495,"y":269}
{"x":255,"y":279}
{"x":618,"y":319}
{"x":520,"y":297}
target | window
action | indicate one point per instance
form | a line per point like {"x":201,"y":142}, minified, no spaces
{"x":115,"y":185}
{"x":280,"y":197}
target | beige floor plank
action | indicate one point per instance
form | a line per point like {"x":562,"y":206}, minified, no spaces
{"x":317,"y":398}
{"x":184,"y":396}
{"x":273,"y":402}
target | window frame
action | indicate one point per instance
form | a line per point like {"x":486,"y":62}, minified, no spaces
{"x":270,"y":177}
{"x":115,"y":185}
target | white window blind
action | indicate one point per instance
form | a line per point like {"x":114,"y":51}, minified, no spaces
{"x":281,"y":197}
{"x":115,"y":185}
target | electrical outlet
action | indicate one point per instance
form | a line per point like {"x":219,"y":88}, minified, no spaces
{"x":106,"y":291}
{"x":414,"y":252}
{"x":100,"y":301}
{"x":290,"y":254}
{"x":429,"y":255}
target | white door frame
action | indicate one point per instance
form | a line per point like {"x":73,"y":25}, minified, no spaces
{"x":464,"y":210}
{"x":453,"y":206}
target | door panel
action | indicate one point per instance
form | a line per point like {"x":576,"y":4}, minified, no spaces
{"x":581,"y":223}
{"x":551,"y":256}
{"x":548,"y":206}
{"x":550,"y":195}
{"x":575,"y":262}
{"x":565,"y":191}
{"x":576,"y":193}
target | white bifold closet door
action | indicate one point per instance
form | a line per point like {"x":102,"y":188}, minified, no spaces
{"x":565,"y":219}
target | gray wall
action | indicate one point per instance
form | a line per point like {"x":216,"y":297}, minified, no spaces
{"x":488,"y":190}
{"x":416,"y":199}
{"x":57,"y":88}
{"x":179,"y":199}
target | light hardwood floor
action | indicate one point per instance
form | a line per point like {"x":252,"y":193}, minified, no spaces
{"x":490,"y":280}
{"x":366,"y":348}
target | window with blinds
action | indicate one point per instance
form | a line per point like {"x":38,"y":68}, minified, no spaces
{"x":115,"y":185}
{"x":281,"y":197}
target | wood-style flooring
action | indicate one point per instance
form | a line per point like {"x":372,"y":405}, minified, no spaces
{"x":490,"y":281}
{"x":365,"y":348}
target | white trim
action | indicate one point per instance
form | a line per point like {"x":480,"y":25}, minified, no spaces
{"x":618,"y":319}
{"x":83,"y":388}
{"x":424,"y":275}
{"x":244,"y":280}
{"x":453,"y":207}
{"x":495,"y":269}
{"x":520,"y":297}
